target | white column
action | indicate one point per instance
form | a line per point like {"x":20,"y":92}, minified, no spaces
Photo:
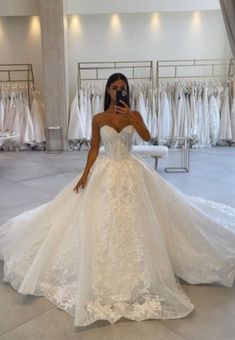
{"x":54,"y":64}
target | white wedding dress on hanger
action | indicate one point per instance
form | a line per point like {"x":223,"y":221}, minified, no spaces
{"x":75,"y":130}
{"x":27,"y":123}
{"x":10,"y":109}
{"x":164,"y":118}
{"x":233,"y":120}
{"x":2,"y":115}
{"x":139,"y":105}
{"x":113,"y":250}
{"x":37,"y":114}
{"x":214,"y":119}
{"x":225,"y":133}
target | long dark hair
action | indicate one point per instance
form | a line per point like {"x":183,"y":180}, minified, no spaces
{"x":112,"y":79}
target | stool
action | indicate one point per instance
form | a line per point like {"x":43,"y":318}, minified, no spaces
{"x":54,"y":139}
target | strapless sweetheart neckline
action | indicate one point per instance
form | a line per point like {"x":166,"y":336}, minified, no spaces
{"x":118,"y":132}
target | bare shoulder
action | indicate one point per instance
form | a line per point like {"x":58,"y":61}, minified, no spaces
{"x":137,"y":114}
{"x":99,"y":118}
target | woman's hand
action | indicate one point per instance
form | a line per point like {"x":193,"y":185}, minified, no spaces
{"x":124,"y":110}
{"x":81,"y":183}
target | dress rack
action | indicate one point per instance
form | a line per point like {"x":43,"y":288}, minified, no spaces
{"x":207,"y":69}
{"x":18,"y":73}
{"x":196,"y":69}
{"x":138,"y":70}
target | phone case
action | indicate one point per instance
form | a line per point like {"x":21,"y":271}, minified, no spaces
{"x":121,"y":95}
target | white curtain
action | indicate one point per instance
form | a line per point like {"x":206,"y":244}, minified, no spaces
{"x":228,"y":10}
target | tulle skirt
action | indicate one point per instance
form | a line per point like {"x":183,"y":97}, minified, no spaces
{"x":117,"y":248}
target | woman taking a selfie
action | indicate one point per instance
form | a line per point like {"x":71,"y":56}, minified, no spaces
{"x":114,"y":242}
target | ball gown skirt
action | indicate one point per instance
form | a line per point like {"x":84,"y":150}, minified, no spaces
{"x":117,"y":248}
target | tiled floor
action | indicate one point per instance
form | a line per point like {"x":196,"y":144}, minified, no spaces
{"x":28,"y":179}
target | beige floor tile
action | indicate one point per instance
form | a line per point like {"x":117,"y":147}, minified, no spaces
{"x":16,"y":309}
{"x":213,"y":315}
{"x":57,"y":325}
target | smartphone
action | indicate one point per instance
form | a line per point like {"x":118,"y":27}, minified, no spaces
{"x":121,"y":95}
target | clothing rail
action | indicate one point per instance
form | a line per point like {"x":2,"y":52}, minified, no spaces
{"x":215,"y":70}
{"x":209,"y":69}
{"x":18,"y":73}
{"x":139,"y":70}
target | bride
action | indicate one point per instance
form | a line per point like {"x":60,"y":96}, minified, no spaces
{"x":116,"y":240}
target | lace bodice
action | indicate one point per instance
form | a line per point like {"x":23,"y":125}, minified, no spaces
{"x":118,"y":145}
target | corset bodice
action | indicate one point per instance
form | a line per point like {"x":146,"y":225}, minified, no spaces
{"x":118,"y":145}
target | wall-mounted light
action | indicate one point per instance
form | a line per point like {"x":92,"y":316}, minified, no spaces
{"x":1,"y":30}
{"x":65,"y":23}
{"x":115,"y":23}
{"x":155,"y":22}
{"x":196,"y":21}
{"x":35,"y":27}
{"x":75,"y":24}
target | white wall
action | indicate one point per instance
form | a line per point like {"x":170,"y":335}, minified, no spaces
{"x":93,"y":38}
{"x":20,"y":41}
{"x":140,"y":36}
{"x":134,"y":6}
{"x":30,"y":7}
{"x":18,"y":7}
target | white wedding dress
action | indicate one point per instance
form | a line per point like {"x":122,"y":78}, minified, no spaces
{"x":115,"y":249}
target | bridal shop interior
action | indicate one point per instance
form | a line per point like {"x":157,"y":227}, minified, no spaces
{"x":55,"y":58}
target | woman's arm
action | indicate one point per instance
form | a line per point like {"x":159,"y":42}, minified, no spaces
{"x":92,"y":154}
{"x":135,"y":119}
